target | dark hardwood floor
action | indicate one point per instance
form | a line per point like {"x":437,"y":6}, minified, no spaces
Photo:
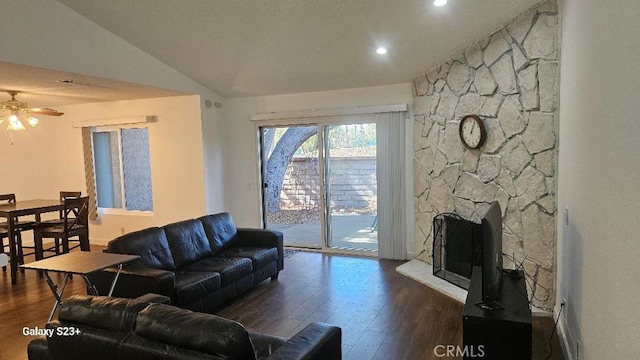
{"x":383,"y":314}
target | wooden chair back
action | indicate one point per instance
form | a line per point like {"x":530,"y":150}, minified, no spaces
{"x":68,"y":195}
{"x":6,"y":199}
{"x":4,"y":232}
{"x":9,"y":198}
{"x":76,"y":213}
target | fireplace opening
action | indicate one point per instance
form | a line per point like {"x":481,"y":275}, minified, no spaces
{"x":457,"y":247}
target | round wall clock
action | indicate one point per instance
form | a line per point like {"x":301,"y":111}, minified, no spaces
{"x":472,"y":132}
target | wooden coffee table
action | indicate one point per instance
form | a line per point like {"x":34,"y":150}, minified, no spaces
{"x":80,"y":263}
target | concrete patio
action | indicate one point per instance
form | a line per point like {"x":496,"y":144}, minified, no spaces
{"x":349,"y":230}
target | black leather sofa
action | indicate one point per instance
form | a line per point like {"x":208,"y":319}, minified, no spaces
{"x":102,"y":328}
{"x":198,"y":263}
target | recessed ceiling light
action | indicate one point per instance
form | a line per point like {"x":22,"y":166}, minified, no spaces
{"x":439,"y":2}
{"x":381,"y":50}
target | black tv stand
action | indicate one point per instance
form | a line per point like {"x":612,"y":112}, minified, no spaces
{"x":490,"y":306}
{"x":498,"y":334}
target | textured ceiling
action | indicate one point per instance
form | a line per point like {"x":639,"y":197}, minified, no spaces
{"x":264,"y":47}
{"x":44,"y":87}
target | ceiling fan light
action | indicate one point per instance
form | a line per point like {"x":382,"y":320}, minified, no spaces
{"x":15,"y":124}
{"x":16,"y":113}
{"x":33,"y":121}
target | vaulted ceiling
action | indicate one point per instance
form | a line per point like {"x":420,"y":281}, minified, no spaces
{"x":265,"y":47}
{"x":45,"y":87}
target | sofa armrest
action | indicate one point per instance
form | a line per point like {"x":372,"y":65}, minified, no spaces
{"x":154,"y":298}
{"x":134,"y":282}
{"x":316,"y":341}
{"x":38,"y":349}
{"x":263,"y":238}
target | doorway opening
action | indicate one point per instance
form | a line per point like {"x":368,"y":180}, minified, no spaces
{"x":291,"y":192}
{"x":351,"y":186}
{"x":319,"y":185}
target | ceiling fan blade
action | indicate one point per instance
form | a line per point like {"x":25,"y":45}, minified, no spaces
{"x":44,"y":111}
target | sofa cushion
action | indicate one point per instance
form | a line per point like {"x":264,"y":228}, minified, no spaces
{"x":220,"y":230}
{"x":260,"y":257}
{"x":188,"y":242}
{"x":230,"y":269}
{"x":101,"y":312}
{"x":190,"y":286}
{"x":202,"y":332}
{"x":141,"y":348}
{"x":91,"y":342}
{"x":151,"y":244}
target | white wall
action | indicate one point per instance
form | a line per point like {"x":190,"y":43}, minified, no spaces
{"x":213,"y":143}
{"x":49,"y":158}
{"x":241,"y":174}
{"x":47,"y":34}
{"x":599,"y":179}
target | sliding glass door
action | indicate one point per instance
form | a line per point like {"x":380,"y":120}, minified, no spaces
{"x":319,"y":185}
{"x":291,"y":193}
{"x":351,"y":187}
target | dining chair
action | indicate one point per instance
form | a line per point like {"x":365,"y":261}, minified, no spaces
{"x":63,"y":195}
{"x":55,"y":248}
{"x":19,"y":226}
{"x":4,"y":234}
{"x":75,"y":224}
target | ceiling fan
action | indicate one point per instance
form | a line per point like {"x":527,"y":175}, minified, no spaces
{"x":16,"y":111}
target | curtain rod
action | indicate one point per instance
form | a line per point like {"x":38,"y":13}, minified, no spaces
{"x":311,"y":113}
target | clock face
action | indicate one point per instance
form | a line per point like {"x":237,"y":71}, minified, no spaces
{"x":472,"y":132}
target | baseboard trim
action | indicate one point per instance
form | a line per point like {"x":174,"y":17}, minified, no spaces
{"x":101,"y":242}
{"x":564,"y":342}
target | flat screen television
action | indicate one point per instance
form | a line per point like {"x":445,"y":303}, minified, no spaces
{"x":492,"y":258}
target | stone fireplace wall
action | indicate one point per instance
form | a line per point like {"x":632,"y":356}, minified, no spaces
{"x":509,"y":79}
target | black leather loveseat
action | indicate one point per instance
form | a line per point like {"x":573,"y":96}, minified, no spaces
{"x":198,"y":263}
{"x":102,"y":328}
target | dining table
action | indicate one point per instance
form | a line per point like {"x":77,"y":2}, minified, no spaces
{"x":12,"y":211}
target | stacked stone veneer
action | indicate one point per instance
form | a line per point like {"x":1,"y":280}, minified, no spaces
{"x":510,"y":79}
{"x":353,"y":184}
